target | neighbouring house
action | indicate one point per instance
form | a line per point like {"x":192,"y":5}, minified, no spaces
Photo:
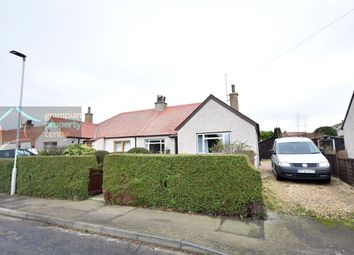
{"x":59,"y":132}
{"x":27,"y":136}
{"x":298,"y":134}
{"x":191,"y":128}
{"x":338,"y":128}
{"x":348,"y":128}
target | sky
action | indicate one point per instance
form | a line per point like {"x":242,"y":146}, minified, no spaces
{"x":291,"y":61}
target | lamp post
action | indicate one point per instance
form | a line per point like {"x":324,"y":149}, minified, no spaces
{"x":14,"y":170}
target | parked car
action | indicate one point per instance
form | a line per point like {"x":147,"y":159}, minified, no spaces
{"x":11,"y":153}
{"x":299,"y":158}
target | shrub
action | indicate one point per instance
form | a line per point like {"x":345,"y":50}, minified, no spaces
{"x":79,"y":149}
{"x":210,"y":184}
{"x":52,"y":151}
{"x":325,"y":131}
{"x":235,"y":148}
{"x":55,"y":176}
{"x":6,"y":166}
{"x":139,"y":150}
{"x":100,"y":155}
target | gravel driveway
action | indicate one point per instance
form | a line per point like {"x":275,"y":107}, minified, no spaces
{"x":333,"y":201}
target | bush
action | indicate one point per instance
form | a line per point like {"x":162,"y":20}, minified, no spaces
{"x":52,"y":151}
{"x":210,"y":184}
{"x":6,"y":166}
{"x":54,"y":176}
{"x":100,"y":155}
{"x":235,"y":148}
{"x":139,"y":150}
{"x":79,"y":149}
{"x":325,"y":131}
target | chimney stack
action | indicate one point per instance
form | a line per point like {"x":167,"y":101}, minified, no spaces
{"x":161,"y":104}
{"x":28,"y":124}
{"x":88,"y":116}
{"x":233,"y":98}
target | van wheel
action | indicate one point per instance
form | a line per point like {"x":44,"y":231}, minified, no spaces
{"x":327,"y":180}
{"x":279,"y":178}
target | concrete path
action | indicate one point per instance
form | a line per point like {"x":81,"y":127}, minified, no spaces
{"x":279,"y":234}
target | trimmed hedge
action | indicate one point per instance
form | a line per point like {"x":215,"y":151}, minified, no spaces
{"x":51,"y":176}
{"x":210,"y":184}
{"x":6,"y":166}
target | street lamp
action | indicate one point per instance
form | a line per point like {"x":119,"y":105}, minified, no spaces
{"x":14,"y":170}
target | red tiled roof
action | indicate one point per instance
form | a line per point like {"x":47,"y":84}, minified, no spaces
{"x":85,"y":129}
{"x":145,"y":122}
{"x":26,"y":135}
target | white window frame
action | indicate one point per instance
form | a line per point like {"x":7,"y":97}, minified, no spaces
{"x":225,"y":136}
{"x":50,"y":144}
{"x":160,"y":141}
{"x":124,"y":143}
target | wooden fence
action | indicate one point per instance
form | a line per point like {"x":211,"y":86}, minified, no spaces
{"x":342,"y":168}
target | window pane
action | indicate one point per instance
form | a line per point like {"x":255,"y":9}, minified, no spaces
{"x":154,"y":148}
{"x":200,"y":144}
{"x":118,"y":147}
{"x":126,"y":146}
{"x":227,"y":138}
{"x":211,"y":143}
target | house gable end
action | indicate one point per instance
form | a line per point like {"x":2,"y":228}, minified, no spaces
{"x":212,"y":97}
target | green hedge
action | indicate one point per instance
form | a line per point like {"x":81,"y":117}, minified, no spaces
{"x":51,"y":176}
{"x":210,"y":184}
{"x":6,"y":166}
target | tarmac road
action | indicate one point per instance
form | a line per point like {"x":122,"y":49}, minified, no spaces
{"x":28,"y":237}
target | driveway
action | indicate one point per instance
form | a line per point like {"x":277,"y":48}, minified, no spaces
{"x":334,"y":200}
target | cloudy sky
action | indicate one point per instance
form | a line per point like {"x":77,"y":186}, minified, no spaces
{"x":292,"y":61}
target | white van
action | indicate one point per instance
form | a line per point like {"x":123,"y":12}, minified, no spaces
{"x":299,"y":158}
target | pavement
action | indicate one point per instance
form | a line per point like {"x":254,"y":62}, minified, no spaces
{"x":279,"y":234}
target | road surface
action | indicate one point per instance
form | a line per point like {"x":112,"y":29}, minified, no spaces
{"x":28,"y":237}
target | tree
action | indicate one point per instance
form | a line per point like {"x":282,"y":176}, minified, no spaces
{"x":266,"y":134}
{"x":325,"y":131}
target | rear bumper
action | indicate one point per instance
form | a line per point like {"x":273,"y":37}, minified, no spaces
{"x":321,"y":173}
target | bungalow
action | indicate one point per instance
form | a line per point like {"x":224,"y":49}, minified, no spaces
{"x":348,"y":128}
{"x":191,"y":128}
{"x":59,"y":132}
{"x":27,"y":136}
